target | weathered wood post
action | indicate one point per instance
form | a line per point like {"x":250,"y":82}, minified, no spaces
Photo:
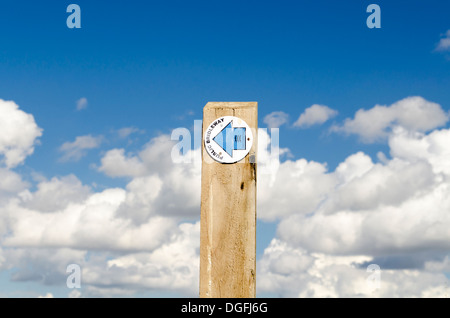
{"x":228,"y":200}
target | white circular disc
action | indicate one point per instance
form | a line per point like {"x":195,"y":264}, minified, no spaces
{"x":228,"y":139}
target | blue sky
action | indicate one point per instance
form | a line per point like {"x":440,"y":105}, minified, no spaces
{"x":130,"y":60}
{"x":150,"y":67}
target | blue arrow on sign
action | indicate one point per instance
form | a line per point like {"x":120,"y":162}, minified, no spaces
{"x":230,"y":139}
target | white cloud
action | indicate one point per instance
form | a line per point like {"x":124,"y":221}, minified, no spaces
{"x":444,"y":43}
{"x":276,"y":119}
{"x":288,"y":271}
{"x":174,"y":266}
{"x":432,"y":148}
{"x":411,"y":113}
{"x":294,"y":187}
{"x":18,"y":134}
{"x":137,"y":231}
{"x":127,"y":131}
{"x":168,"y":265}
{"x":74,"y":151}
{"x":139,"y":218}
{"x":46,"y":266}
{"x":142,"y":193}
{"x":11,"y":183}
{"x":82,"y":103}
{"x":178,"y":184}
{"x":155,"y":157}
{"x":364,"y":211}
{"x":377,"y":184}
{"x":90,"y":224}
{"x":116,"y":164}
{"x":315,"y":115}
{"x":355,"y":211}
{"x":70,"y":190}
{"x":332,"y":223}
{"x":269,"y":155}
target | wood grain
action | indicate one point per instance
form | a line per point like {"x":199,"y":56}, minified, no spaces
{"x":228,"y":213}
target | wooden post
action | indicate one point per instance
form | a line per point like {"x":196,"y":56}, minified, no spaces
{"x":228,"y":210}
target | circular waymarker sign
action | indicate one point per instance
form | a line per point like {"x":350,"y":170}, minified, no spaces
{"x":228,"y":139}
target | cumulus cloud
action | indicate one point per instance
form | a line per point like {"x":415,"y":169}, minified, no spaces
{"x":69,"y":189}
{"x":393,"y":213}
{"x":411,"y":113}
{"x":116,"y":164}
{"x":46,"y":266}
{"x":138,"y":231}
{"x":154,"y":170}
{"x":18,"y":134}
{"x":276,"y":119}
{"x":156,"y":253}
{"x":90,"y":224}
{"x":332,"y":224}
{"x":315,"y":115}
{"x":432,"y":148}
{"x":75,"y":150}
{"x":444,"y":43}
{"x":288,"y":271}
{"x":11,"y":183}
{"x":155,"y":157}
{"x":293,"y":187}
{"x":369,"y":203}
{"x":171,"y":267}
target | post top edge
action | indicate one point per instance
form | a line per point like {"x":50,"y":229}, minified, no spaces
{"x":231,"y":104}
